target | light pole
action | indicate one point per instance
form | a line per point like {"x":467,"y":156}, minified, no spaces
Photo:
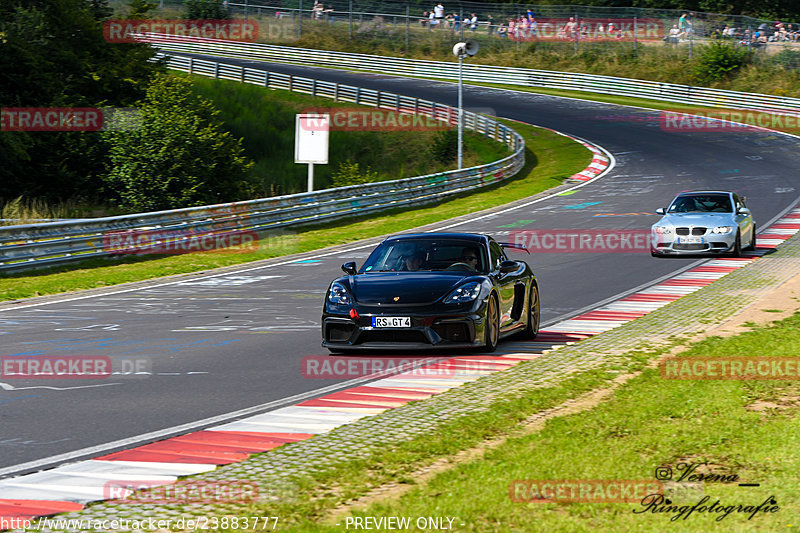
{"x":461,"y":50}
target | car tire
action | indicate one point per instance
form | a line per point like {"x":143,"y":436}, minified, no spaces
{"x":655,"y":254}
{"x":737,"y":245}
{"x":491,"y":330}
{"x":532,"y":327}
{"x":752,"y":246}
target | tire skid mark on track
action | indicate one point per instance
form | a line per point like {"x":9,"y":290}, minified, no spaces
{"x":65,"y":488}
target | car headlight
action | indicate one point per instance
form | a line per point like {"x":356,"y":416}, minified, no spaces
{"x":465,"y":293}
{"x":338,"y":294}
{"x":662,"y":230}
{"x":722,"y":229}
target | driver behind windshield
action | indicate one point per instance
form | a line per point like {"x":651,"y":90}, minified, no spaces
{"x":469,"y":256}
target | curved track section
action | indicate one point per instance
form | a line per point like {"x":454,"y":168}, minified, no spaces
{"x":233,"y":343}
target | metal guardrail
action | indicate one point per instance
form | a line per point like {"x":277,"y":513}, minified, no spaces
{"x":26,"y":246}
{"x":669,"y":92}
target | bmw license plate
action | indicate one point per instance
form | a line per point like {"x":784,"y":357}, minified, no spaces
{"x":391,"y":322}
{"x":690,"y":240}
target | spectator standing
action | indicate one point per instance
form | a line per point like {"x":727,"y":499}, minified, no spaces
{"x":683,"y":27}
{"x":473,"y":22}
{"x":438,"y":12}
{"x":490,"y":19}
{"x":424,"y":20}
{"x":433,"y":22}
{"x":456,"y":22}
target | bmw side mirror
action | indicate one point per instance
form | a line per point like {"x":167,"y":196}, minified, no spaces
{"x":508,"y":266}
{"x":744,"y":211}
{"x":349,"y":268}
{"x":660,"y":211}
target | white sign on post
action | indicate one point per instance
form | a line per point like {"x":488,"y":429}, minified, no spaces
{"x":311,"y":142}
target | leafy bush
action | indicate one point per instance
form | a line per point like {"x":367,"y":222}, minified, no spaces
{"x":787,"y":58}
{"x":349,"y":173}
{"x":445,"y":146}
{"x":718,"y":61}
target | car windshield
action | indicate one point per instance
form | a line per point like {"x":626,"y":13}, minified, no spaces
{"x":704,"y":203}
{"x":404,"y":255}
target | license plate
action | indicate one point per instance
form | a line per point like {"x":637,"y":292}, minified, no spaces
{"x":391,"y":322}
{"x":690,"y":240}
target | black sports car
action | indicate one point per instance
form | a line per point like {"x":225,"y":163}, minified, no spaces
{"x":431,"y":290}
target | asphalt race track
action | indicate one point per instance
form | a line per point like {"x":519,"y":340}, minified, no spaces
{"x":214,"y":345}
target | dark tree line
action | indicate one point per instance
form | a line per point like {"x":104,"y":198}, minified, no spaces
{"x":53,"y":54}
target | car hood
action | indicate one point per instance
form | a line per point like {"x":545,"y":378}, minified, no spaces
{"x":696,"y":219}
{"x":409,"y":288}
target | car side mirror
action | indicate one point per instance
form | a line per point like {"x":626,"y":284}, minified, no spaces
{"x":508,"y":266}
{"x":349,"y":268}
{"x":660,"y":211}
{"x":744,"y":211}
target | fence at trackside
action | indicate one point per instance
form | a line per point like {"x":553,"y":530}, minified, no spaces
{"x":653,"y":90}
{"x":44,"y":244}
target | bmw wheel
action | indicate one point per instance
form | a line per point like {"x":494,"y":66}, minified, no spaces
{"x":737,"y":245}
{"x":752,"y":245}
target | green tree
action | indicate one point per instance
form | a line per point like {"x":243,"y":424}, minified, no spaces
{"x":206,"y":9}
{"x":53,"y":54}
{"x":179,"y":157}
{"x":140,"y":9}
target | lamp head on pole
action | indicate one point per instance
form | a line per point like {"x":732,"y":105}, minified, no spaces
{"x":467,"y":48}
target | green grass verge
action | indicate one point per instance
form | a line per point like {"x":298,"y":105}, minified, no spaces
{"x":649,"y":422}
{"x":549,"y":159}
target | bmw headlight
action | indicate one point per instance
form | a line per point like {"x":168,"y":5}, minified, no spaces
{"x":722,"y":229}
{"x":465,"y":293}
{"x":338,"y":294}
{"x":662,"y":230}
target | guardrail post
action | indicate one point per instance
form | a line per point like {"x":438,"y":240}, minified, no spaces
{"x":242,"y":75}
{"x":416,"y":106}
{"x":358,"y":94}
{"x":397,"y":102}
{"x":216,"y":71}
{"x":266,"y":78}
{"x":314,"y":87}
{"x":290,"y":82}
{"x":191,"y":65}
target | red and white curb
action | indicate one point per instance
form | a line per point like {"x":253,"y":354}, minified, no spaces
{"x":598,"y":165}
{"x":69,"y":487}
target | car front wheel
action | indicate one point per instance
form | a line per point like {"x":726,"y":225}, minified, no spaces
{"x":737,"y":246}
{"x":752,"y":245}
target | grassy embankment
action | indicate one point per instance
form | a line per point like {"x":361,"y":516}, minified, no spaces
{"x":550,"y":159}
{"x":747,"y":429}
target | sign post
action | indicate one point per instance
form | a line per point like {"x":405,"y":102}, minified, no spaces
{"x":311,"y":142}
